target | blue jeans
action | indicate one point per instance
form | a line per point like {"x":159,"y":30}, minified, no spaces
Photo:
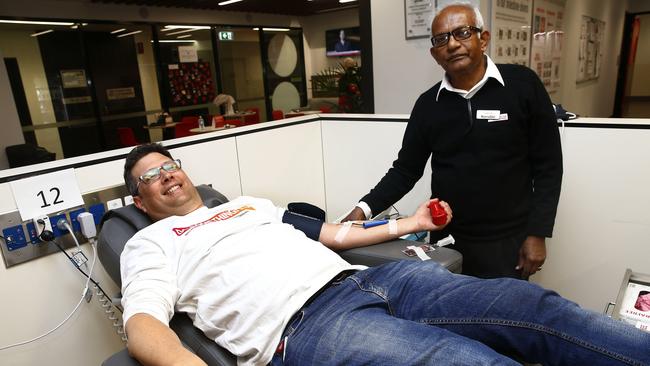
{"x":418,"y":313}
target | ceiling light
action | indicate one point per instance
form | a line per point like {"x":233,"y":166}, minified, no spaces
{"x":118,"y":30}
{"x":184,"y":36}
{"x":228,"y":2}
{"x":346,"y":1}
{"x":130,"y":33}
{"x":31,"y":22}
{"x":276,"y":29}
{"x":180,"y":31}
{"x":169,"y":27}
{"x":39,"y":33}
{"x":176,"y":40}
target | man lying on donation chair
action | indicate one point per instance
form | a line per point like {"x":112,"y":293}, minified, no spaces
{"x":254,"y":278}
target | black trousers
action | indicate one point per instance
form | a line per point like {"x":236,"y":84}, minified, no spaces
{"x":490,"y":259}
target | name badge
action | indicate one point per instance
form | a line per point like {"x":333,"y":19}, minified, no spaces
{"x":487,"y":114}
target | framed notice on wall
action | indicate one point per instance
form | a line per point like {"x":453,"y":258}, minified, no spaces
{"x":590,"y":48}
{"x":418,"y":15}
{"x":511,"y":31}
{"x":633,"y":300}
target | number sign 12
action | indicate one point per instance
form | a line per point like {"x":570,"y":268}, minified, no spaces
{"x":47,"y":193}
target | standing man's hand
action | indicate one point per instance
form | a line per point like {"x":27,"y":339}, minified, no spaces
{"x":355,"y":215}
{"x":532,"y":255}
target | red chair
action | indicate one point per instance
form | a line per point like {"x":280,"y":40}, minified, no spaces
{"x":277,"y":114}
{"x":218,"y":121}
{"x":127,"y":137}
{"x":254,"y":118}
{"x":183,"y":129}
{"x":325,"y":109}
{"x":193,"y":120}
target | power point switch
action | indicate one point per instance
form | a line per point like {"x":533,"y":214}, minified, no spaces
{"x":14,"y":237}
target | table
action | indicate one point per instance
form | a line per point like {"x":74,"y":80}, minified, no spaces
{"x":208,"y":129}
{"x":238,"y":115}
{"x":300,"y":113}
{"x":167,"y":129}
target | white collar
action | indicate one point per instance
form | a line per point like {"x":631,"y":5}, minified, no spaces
{"x":490,"y":72}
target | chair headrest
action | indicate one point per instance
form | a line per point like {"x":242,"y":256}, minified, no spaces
{"x":119,"y":225}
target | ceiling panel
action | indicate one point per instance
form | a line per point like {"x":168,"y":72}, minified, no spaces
{"x":285,"y":7}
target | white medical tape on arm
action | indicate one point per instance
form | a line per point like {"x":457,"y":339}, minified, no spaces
{"x":419,"y":252}
{"x":343,"y":231}
{"x":392,"y":227}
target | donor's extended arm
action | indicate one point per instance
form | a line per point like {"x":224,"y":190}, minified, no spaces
{"x":153,"y":343}
{"x":338,"y":237}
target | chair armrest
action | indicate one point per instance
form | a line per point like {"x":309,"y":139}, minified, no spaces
{"x":390,"y":251}
{"x":121,"y":358}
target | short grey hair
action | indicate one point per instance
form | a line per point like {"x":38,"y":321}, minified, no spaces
{"x":467,"y":4}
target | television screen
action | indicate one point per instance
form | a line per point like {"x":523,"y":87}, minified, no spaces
{"x":343,"y":42}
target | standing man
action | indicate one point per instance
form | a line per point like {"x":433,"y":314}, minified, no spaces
{"x":495,"y":152}
{"x":342,"y":45}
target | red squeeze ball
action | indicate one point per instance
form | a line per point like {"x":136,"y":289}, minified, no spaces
{"x":438,"y":214}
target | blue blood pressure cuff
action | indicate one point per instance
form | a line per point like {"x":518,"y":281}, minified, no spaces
{"x":308,"y":225}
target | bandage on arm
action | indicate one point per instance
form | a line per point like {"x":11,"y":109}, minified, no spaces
{"x":347,"y":236}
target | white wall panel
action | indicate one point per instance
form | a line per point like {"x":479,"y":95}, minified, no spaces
{"x":213,"y":162}
{"x":283,"y":165}
{"x":356,"y":155}
{"x":603,"y":221}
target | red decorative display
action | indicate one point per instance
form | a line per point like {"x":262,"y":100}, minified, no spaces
{"x":190,"y":83}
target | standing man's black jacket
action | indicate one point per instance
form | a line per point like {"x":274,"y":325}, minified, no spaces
{"x":500,"y":177}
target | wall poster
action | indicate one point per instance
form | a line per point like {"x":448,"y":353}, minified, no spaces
{"x":590,"y":48}
{"x":546,"y":48}
{"x":190,"y":83}
{"x":418,"y":15}
{"x":511,"y":31}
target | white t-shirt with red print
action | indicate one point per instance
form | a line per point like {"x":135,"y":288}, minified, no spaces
{"x":236,"y":269}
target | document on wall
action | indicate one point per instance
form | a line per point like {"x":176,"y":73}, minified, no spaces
{"x":511,"y":31}
{"x":547,"y":40}
{"x":418,"y":15}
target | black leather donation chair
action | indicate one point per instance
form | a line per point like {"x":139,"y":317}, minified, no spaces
{"x":119,"y":225}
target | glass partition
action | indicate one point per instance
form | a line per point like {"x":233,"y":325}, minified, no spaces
{"x":189,"y":83}
{"x":240,"y":61}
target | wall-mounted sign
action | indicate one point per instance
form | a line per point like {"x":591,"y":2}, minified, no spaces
{"x":77,"y":100}
{"x":187,"y":54}
{"x":120,"y":93}
{"x":590,"y":52}
{"x":418,"y":15}
{"x":46,"y":193}
{"x":226,"y":36}
{"x":73,"y":78}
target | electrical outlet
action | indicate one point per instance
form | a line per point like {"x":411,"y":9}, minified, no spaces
{"x":98,"y":211}
{"x":31,"y":233}
{"x":42,"y":223}
{"x":56,"y":230}
{"x":113,"y":204}
{"x":73,"y":218}
{"x":128,"y":200}
{"x":14,"y":237}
